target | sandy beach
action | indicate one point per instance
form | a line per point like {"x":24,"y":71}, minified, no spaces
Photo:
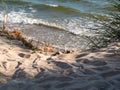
{"x":59,"y":44}
{"x":25,"y":69}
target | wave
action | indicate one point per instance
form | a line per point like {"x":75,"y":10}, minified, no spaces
{"x":27,"y":18}
{"x":63,"y":9}
{"x":76,"y":26}
{"x":14,"y":2}
{"x":52,"y":5}
{"x":55,"y":7}
{"x":41,"y":5}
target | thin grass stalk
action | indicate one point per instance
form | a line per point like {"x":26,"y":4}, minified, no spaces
{"x":5,"y":16}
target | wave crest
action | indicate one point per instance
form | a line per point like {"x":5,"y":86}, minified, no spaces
{"x":78,"y":26}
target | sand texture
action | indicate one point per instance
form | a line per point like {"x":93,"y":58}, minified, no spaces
{"x":24,"y":69}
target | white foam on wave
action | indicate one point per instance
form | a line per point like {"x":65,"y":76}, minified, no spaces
{"x":32,"y":10}
{"x":52,"y":5}
{"x":16,"y":17}
{"x":78,"y":26}
{"x":26,"y":18}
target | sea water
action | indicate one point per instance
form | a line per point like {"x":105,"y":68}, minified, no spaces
{"x":63,"y":23}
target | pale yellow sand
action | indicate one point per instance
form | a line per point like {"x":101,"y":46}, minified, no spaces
{"x":24,"y":69}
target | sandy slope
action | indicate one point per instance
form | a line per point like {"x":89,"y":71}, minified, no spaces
{"x":23,"y":69}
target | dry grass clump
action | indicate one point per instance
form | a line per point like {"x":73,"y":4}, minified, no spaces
{"x":46,"y":48}
{"x":17,"y":35}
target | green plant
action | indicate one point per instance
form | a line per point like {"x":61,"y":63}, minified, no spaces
{"x":112,"y":29}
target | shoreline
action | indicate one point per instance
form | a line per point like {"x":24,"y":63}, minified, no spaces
{"x":44,"y":70}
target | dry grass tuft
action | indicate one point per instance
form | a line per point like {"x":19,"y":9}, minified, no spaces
{"x":46,"y":48}
{"x":17,"y":35}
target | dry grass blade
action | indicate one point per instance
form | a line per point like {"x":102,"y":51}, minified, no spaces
{"x":17,"y":35}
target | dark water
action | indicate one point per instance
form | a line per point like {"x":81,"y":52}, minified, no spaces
{"x":60,"y":22}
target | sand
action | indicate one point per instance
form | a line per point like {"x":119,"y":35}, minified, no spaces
{"x":25,"y":69}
